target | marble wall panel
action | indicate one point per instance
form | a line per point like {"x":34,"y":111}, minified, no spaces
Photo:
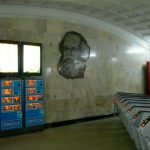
{"x":115,"y":64}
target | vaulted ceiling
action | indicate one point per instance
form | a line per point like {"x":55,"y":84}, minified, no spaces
{"x":131,"y":15}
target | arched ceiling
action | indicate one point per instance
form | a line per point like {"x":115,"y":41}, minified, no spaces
{"x":130,"y":15}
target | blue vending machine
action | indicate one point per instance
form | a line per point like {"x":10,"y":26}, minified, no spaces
{"x":10,"y":104}
{"x":34,"y":102}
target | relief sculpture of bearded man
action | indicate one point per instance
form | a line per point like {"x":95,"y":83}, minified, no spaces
{"x":74,"y":54}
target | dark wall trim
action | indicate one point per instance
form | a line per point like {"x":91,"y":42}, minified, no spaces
{"x":74,"y":121}
{"x":14,"y":132}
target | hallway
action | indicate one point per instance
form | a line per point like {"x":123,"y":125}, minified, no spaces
{"x":105,"y":134}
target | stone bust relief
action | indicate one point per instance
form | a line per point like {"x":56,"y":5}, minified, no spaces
{"x":74,"y":54}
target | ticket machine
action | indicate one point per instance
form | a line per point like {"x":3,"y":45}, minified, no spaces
{"x":144,"y":135}
{"x":137,"y":124}
{"x":34,"y":102}
{"x":134,"y":110}
{"x":10,"y":104}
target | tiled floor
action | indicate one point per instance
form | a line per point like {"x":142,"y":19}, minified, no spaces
{"x":105,"y":134}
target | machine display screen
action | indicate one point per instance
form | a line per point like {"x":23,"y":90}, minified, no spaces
{"x":8,"y":58}
{"x":129,"y":110}
{"x":7,"y":108}
{"x":145,"y":122}
{"x":40,"y":106}
{"x":11,"y":100}
{"x":17,"y":99}
{"x":35,"y":98}
{"x":17,"y":107}
{"x":31,"y":106}
{"x":31,"y":98}
{"x":7,"y":100}
{"x":31,"y":90}
{"x":40,"y":97}
{"x":31,"y":83}
{"x":137,"y":114}
{"x":35,"y":106}
{"x":11,"y":108}
{"x":7,"y":83}
{"x":7,"y":91}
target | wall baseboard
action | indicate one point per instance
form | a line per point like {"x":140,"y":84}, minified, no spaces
{"x":80,"y":120}
{"x":14,"y":132}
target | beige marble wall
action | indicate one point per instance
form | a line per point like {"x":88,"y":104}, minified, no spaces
{"x":115,"y":64}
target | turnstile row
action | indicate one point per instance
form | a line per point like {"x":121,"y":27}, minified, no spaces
{"x":134,"y":111}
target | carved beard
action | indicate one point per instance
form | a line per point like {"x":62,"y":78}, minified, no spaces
{"x":71,"y":68}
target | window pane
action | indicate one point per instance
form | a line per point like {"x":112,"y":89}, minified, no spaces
{"x":31,"y":59}
{"x":8,"y":58}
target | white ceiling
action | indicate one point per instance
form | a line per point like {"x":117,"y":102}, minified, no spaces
{"x":131,"y":15}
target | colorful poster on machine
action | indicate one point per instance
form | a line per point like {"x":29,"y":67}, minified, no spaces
{"x":10,"y":104}
{"x":34,"y":102}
